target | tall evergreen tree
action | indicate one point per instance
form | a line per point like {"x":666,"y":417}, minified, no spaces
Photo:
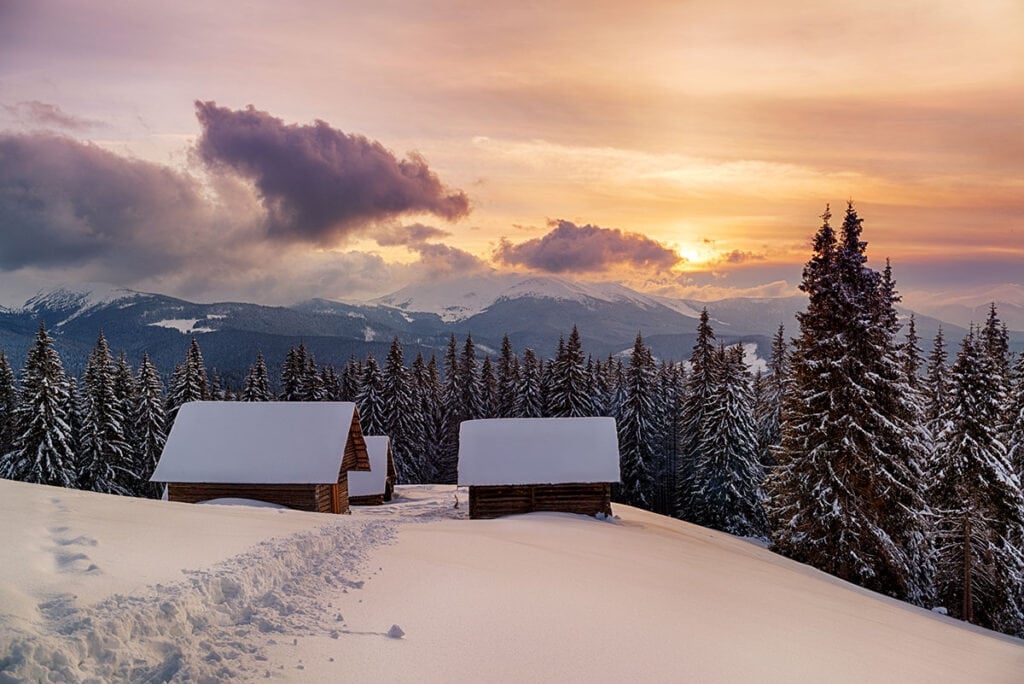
{"x":700,"y":390}
{"x":399,"y":415}
{"x":666,"y":467}
{"x":1015,"y":438}
{"x":188,"y":383}
{"x":350,"y":377}
{"x":569,"y":393}
{"x":257,"y":382}
{"x":844,"y":497}
{"x":529,"y":401}
{"x":638,"y":420}
{"x":936,"y":386}
{"x":488,"y":389}
{"x":977,"y":502}
{"x":42,"y":450}
{"x":471,"y":405}
{"x":432,"y":468}
{"x":508,"y":378}
{"x":293,"y":373}
{"x":312,"y":387}
{"x":370,"y":399}
{"x":8,"y":406}
{"x":768,"y":408}
{"x":149,"y":426}
{"x":727,"y":473}
{"x":447,"y":461}
{"x":105,"y":463}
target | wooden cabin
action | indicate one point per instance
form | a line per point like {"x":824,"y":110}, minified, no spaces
{"x":522,"y":465}
{"x":295,"y":454}
{"x":375,"y":487}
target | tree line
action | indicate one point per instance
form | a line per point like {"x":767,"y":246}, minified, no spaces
{"x":850,"y":452}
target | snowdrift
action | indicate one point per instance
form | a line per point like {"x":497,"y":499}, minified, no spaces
{"x":95,"y":586}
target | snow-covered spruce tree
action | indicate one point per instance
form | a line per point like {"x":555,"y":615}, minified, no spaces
{"x":666,"y":466}
{"x":42,"y":449}
{"x":215,"y":390}
{"x":104,"y":459}
{"x":845,"y":495}
{"x":995,"y":341}
{"x":529,"y":403}
{"x":331,"y":382}
{"x":293,"y":373}
{"x":488,"y":389}
{"x":399,"y":415}
{"x":257,"y":382}
{"x":727,"y":472}
{"x":508,"y":377}
{"x":639,"y":421}
{"x":446,"y":461}
{"x":313,"y":388}
{"x":768,"y":407}
{"x":126,"y":390}
{"x":471,"y":405}
{"x":370,"y":399}
{"x":8,"y":406}
{"x":430,"y":393}
{"x":350,"y":376}
{"x":569,"y":393}
{"x":188,"y":383}
{"x":700,"y":389}
{"x":976,"y":500}
{"x":149,"y":425}
{"x":936,"y":387}
{"x":1015,"y":438}
{"x":425,"y":390}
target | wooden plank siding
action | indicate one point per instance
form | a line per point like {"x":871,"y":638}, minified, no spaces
{"x":498,"y":500}
{"x":315,"y":498}
{"x":356,"y":457}
{"x":369,"y":500}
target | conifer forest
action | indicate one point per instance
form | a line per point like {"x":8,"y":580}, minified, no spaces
{"x":852,"y":452}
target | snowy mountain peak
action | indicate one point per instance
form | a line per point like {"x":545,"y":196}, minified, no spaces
{"x":75,"y":300}
{"x":456,"y":299}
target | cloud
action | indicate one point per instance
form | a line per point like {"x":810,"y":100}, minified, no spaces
{"x":440,"y":259}
{"x":569,"y":248}
{"x":415,"y":234}
{"x":318,"y":184}
{"x":64,"y":204}
{"x":49,"y":115}
{"x":739,"y":257}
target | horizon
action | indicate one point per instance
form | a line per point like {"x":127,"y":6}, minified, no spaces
{"x":685,"y":150}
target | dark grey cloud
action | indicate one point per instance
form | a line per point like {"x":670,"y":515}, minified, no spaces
{"x":317,"y":183}
{"x":49,"y":115}
{"x":66,"y":203}
{"x":569,"y":248}
{"x":414,"y":234}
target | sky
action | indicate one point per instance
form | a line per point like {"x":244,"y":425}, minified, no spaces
{"x":273,"y":152}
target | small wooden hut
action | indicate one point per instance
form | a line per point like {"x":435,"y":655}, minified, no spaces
{"x":375,"y":487}
{"x":295,"y":454}
{"x":521,"y":465}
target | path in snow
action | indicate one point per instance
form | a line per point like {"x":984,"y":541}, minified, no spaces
{"x":215,"y":624}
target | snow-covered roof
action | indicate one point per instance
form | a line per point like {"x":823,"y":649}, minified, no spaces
{"x":505,"y":451}
{"x":257,"y":442}
{"x":368,"y":484}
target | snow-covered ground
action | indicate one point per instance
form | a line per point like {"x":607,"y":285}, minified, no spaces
{"x":95,"y":586}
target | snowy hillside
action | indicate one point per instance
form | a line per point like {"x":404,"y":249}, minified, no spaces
{"x":114,"y":588}
{"x":457,"y":299}
{"x":78,"y":299}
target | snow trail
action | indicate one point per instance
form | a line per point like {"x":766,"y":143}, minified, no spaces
{"x":211,"y":626}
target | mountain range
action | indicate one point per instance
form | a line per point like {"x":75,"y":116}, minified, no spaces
{"x":534,"y":311}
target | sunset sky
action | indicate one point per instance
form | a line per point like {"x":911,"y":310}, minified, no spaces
{"x":685,"y":148}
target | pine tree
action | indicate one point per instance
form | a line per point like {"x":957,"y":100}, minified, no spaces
{"x":188,"y":383}
{"x":844,"y":496}
{"x":399,"y":415}
{"x":257,"y":382}
{"x":105,"y":458}
{"x":666,"y":468}
{"x":149,"y":427}
{"x":350,"y":376}
{"x":508,"y":378}
{"x":471,"y":405}
{"x":529,"y":402}
{"x":42,"y":450}
{"x":700,"y":389}
{"x":446,"y":461}
{"x":424,"y":391}
{"x":370,"y":399}
{"x":727,"y":473}
{"x":312,"y":387}
{"x":995,"y":341}
{"x":768,"y":408}
{"x":1015,"y":434}
{"x":977,"y":502}
{"x":215,"y":391}
{"x":8,"y":406}
{"x":569,"y":394}
{"x":638,"y":420}
{"x":293,"y":373}
{"x":488,"y":389}
{"x":431,"y":465}
{"x":936,"y":387}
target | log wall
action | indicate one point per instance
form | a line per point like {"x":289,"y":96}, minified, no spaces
{"x":368,"y":500}
{"x":582,"y":498}
{"x":301,"y":497}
